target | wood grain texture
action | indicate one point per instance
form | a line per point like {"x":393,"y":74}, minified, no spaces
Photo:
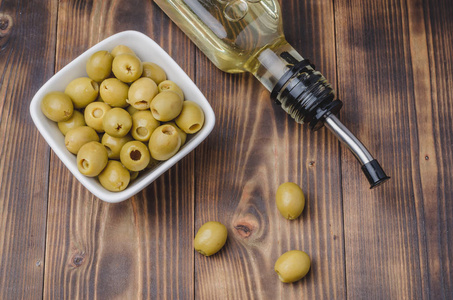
{"x":394,"y":234}
{"x":435,"y":126}
{"x":140,"y":248}
{"x":24,"y":156}
{"x":390,"y":62}
{"x":254,"y":148}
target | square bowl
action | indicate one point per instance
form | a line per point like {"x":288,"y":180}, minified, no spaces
{"x":147,"y":50}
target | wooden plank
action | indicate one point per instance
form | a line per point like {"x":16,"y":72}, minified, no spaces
{"x":397,"y":234}
{"x":433,"y":45}
{"x":254,"y":148}
{"x":140,"y":248}
{"x":24,"y":155}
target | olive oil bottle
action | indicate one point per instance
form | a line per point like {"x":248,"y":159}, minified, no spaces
{"x":247,"y":36}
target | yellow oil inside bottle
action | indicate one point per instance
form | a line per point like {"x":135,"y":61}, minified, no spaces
{"x":230,"y":33}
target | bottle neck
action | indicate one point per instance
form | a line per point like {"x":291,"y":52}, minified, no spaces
{"x":301,"y":91}
{"x":273,"y":62}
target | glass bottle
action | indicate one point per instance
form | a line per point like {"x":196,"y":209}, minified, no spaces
{"x":247,"y":36}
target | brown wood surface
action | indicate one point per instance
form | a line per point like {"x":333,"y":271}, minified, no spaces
{"x":390,"y":62}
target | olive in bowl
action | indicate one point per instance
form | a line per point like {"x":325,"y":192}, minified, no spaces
{"x":147,"y":50}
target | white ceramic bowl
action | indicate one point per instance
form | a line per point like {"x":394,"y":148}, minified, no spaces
{"x":147,"y":50}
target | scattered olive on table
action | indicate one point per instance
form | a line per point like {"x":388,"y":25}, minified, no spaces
{"x":106,"y":119}
{"x":292,"y":266}
{"x":290,"y":200}
{"x":210,"y":238}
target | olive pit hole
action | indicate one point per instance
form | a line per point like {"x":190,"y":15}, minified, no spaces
{"x":168,"y":130}
{"x":142,"y":131}
{"x":84,"y":164}
{"x":135,"y":155}
{"x":97,"y":113}
{"x":194,"y":127}
{"x":143,"y":104}
{"x":155,"y":113}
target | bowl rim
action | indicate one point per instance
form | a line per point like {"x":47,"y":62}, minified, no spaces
{"x":42,"y":123}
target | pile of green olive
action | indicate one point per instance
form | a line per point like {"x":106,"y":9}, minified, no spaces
{"x":123,"y":118}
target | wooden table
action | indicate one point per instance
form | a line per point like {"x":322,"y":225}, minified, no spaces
{"x":391,"y":62}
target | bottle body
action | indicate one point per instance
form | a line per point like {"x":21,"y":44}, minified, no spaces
{"x":230,"y":33}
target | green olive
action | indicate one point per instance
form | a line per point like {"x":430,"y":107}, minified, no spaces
{"x":166,"y":106}
{"x":135,"y":156}
{"x":152,"y":163}
{"x":290,"y":200}
{"x":92,"y":159}
{"x":292,"y":266}
{"x":79,"y":136}
{"x":94,"y":114}
{"x":127,"y":67}
{"x":131,"y":110}
{"x":141,"y":92}
{"x":121,"y":49}
{"x":143,"y":125}
{"x":181,"y":133}
{"x":114,"y":92}
{"x":153,"y":71}
{"x":99,"y":65}
{"x":82,"y":91}
{"x":164,"y":142}
{"x":117,"y":122}
{"x":76,"y":120}
{"x":210,"y":238}
{"x":57,"y":106}
{"x":191,"y":118}
{"x":114,"y":144}
{"x":115,"y":177}
{"x":168,"y":85}
{"x":134,"y":175}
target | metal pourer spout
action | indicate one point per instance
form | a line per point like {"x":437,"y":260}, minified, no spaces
{"x":370,"y":166}
{"x":307,"y":96}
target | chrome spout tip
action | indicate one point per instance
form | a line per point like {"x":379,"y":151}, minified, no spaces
{"x":374,"y":173}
